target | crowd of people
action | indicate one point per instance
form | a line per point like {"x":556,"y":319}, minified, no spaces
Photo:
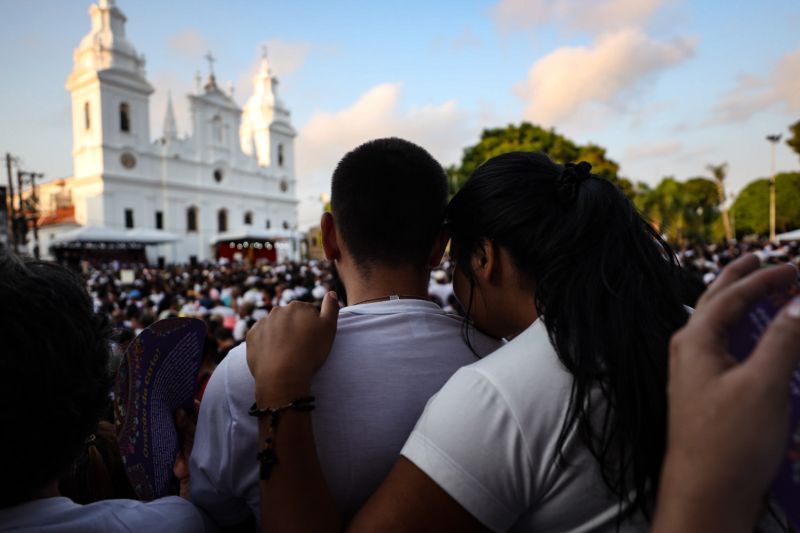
{"x":544,"y":375}
{"x":704,"y":262}
{"x":231,"y":297}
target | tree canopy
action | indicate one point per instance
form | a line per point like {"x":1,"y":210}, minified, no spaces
{"x":690,"y":210}
{"x":530,"y":137}
{"x":682,"y":210}
{"x":794,"y":140}
{"x":751,"y":208}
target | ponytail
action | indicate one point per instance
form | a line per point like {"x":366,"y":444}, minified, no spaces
{"x":98,"y":478}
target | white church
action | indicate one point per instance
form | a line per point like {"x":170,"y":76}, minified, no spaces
{"x":225,"y":189}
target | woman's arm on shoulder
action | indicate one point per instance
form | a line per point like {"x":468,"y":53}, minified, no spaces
{"x":409,"y":500}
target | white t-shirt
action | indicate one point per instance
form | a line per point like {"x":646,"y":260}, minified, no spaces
{"x":387,"y":360}
{"x":59,"y":514}
{"x":488,"y":438}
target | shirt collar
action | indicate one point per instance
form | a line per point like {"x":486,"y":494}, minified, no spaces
{"x":390,"y":307}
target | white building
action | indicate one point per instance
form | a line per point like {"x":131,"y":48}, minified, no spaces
{"x":228,"y":182}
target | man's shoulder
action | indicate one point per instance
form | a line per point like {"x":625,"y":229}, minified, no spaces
{"x":235,"y":361}
{"x":231,"y":383}
{"x":170,"y":513}
{"x":425,"y":325}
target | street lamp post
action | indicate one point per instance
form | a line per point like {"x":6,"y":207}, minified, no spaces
{"x":774,"y":140}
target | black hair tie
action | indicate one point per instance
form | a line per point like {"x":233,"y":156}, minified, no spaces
{"x":570,"y":178}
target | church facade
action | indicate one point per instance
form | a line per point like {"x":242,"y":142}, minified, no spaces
{"x":227,"y":188}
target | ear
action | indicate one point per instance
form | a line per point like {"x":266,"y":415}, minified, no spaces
{"x":330,"y":243}
{"x":485,"y":261}
{"x":439,"y":245}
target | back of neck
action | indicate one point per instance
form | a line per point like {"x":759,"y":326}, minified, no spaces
{"x":381,"y":282}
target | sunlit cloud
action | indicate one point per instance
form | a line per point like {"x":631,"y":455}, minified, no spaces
{"x":442,"y":129}
{"x":577,"y":81}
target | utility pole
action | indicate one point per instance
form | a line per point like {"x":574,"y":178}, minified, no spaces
{"x":11,"y":211}
{"x":21,"y":220}
{"x":3,"y":218}
{"x":774,"y":140}
{"x":35,"y":198}
{"x":28,"y":209}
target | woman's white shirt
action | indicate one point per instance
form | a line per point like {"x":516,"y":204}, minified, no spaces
{"x":488,"y":438}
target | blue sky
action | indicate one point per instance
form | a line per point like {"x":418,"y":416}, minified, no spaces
{"x":667,"y":86}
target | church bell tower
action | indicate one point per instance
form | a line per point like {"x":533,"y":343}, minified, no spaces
{"x":266,"y":131}
{"x":110,"y":97}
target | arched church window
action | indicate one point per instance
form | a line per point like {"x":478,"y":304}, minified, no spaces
{"x":191,"y":219}
{"x":87,"y":120}
{"x":218,"y":175}
{"x":124,"y":117}
{"x":269,"y":223}
{"x":216,"y":129}
{"x":285,"y":225}
{"x":280,"y":155}
{"x":222,"y":220}
{"x":248,"y":218}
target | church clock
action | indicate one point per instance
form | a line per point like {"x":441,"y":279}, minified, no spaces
{"x":128,"y":160}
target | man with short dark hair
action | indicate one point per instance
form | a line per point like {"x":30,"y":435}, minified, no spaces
{"x":54,"y":385}
{"x":394,"y":348}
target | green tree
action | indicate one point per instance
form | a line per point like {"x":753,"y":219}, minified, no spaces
{"x":669,"y":212}
{"x":644,"y":198}
{"x":794,"y":140}
{"x":681,"y":210}
{"x":530,"y":137}
{"x":751,"y":208}
{"x":701,"y":210}
{"x":719,"y":172}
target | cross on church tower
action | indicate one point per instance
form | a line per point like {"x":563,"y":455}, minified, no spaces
{"x":212,"y":81}
{"x":210,"y":58}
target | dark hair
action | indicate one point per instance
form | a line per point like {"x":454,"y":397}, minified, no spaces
{"x":607,"y":289}
{"x":388,"y":198}
{"x":98,"y":473}
{"x":53,"y":374}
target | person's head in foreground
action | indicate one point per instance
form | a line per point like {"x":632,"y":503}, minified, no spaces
{"x":53,"y":375}
{"x":534,"y":238}
{"x":388,"y":199}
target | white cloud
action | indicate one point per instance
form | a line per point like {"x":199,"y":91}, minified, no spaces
{"x":442,"y":129}
{"x":595,"y":16}
{"x":189,"y":44}
{"x":752,"y":94}
{"x":572,"y":82}
{"x":653,"y":150}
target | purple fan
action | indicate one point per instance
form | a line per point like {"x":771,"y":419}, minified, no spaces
{"x":743,"y":340}
{"x":157,"y":376}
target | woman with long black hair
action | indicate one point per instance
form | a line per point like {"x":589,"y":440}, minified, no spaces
{"x":561,"y":429}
